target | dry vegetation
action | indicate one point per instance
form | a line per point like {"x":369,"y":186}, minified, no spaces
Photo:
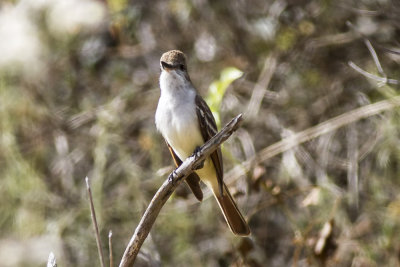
{"x":78,"y":92}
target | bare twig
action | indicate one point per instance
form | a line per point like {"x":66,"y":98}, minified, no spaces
{"x":371,"y":50}
{"x":353,"y":168}
{"x":363,"y":12}
{"x":168,"y":187}
{"x":110,"y":248}
{"x":328,"y":126}
{"x":334,"y":39}
{"x":313,"y":132}
{"x":388,"y":50}
{"x":96,"y":228}
{"x":261,"y":87}
{"x":374,"y":57}
{"x":394,"y":51}
{"x":372,"y":76}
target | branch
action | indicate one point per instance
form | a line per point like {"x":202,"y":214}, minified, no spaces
{"x":313,"y":132}
{"x":94,"y":220}
{"x":168,"y":187}
{"x":261,"y":87}
{"x":372,"y":76}
{"x":371,"y":50}
{"x":327,"y":126}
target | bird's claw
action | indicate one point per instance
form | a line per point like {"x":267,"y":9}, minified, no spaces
{"x":172,"y":176}
{"x":199,"y":165}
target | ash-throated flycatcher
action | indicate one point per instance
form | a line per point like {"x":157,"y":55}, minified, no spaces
{"x":186,"y":123}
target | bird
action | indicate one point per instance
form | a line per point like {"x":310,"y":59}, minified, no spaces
{"x":186,"y":123}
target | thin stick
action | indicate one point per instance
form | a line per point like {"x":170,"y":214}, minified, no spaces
{"x":394,"y":51}
{"x":372,"y":76}
{"x":261,"y":87}
{"x":313,"y":132}
{"x":110,"y":248}
{"x":328,"y":126}
{"x":374,"y":57}
{"x":388,"y":50}
{"x":96,"y":228}
{"x":168,"y":187}
{"x":371,"y":50}
{"x":353,"y":168}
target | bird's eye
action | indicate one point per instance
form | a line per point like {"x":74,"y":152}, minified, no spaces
{"x":181,"y":67}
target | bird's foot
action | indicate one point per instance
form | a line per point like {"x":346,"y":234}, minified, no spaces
{"x":200,"y":164}
{"x":172,"y":176}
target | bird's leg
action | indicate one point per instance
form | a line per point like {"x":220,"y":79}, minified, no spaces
{"x":196,"y":153}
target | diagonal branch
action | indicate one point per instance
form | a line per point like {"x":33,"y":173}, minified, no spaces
{"x":313,"y":132}
{"x":168,"y":187}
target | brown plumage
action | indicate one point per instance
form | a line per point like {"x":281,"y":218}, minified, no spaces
{"x":186,"y":122}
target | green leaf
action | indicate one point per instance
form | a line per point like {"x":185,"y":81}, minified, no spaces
{"x":217,"y":90}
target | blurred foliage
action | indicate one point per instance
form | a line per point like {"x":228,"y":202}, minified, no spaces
{"x":78,"y":93}
{"x":217,"y":90}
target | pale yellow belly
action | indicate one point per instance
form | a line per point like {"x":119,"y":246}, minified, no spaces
{"x":184,"y":142}
{"x":208,"y":175}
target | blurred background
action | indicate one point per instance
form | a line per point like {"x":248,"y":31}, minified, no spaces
{"x":78,"y":93}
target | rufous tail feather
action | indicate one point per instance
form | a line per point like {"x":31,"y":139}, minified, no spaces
{"x":233,"y":217}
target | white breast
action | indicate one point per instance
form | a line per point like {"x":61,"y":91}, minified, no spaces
{"x":176,"y":116}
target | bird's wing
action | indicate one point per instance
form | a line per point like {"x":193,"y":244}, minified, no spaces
{"x":193,"y":180}
{"x":208,"y":129}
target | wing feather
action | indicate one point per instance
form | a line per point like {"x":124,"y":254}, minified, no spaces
{"x":208,"y":128}
{"x":193,"y":180}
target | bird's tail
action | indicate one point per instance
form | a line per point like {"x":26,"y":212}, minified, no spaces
{"x":233,"y":217}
